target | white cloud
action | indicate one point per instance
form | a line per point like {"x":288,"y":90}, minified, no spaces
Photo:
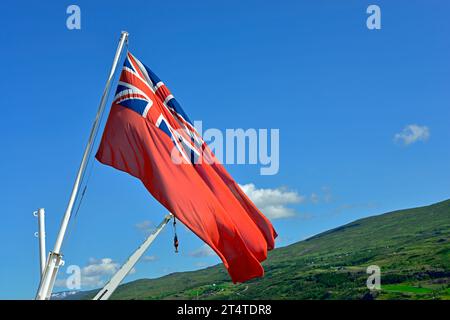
{"x":61,"y":283}
{"x":149,"y":258}
{"x":412,"y":133}
{"x":324,"y":196}
{"x":327,"y":195}
{"x":98,"y":271}
{"x":132,"y":271}
{"x":203,"y":251}
{"x":201,"y":264}
{"x":100,"y":267}
{"x":273,"y":202}
{"x":145,"y":226}
{"x":95,"y":273}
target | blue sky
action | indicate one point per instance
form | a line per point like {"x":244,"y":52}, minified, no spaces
{"x":338,"y":92}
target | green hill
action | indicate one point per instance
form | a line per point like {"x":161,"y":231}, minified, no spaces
{"x":412,"y":248}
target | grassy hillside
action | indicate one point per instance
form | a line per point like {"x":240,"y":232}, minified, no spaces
{"x":412,"y":248}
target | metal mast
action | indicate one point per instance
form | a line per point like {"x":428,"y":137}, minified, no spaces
{"x":118,"y":277}
{"x":40,"y":214}
{"x":54,"y":260}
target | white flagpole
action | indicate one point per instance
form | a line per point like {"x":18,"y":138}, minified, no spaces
{"x":40,"y":214}
{"x":54,"y":260}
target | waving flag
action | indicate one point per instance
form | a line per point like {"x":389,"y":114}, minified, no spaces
{"x":149,"y":136}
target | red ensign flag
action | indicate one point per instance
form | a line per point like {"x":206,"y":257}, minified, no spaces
{"x":149,"y":136}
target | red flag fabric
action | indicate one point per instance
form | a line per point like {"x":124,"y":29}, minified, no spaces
{"x":149,"y":136}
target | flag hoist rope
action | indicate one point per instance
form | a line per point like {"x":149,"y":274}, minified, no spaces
{"x":175,"y":236}
{"x":54,"y":259}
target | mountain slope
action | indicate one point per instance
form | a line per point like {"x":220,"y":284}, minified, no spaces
{"x":412,"y":248}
